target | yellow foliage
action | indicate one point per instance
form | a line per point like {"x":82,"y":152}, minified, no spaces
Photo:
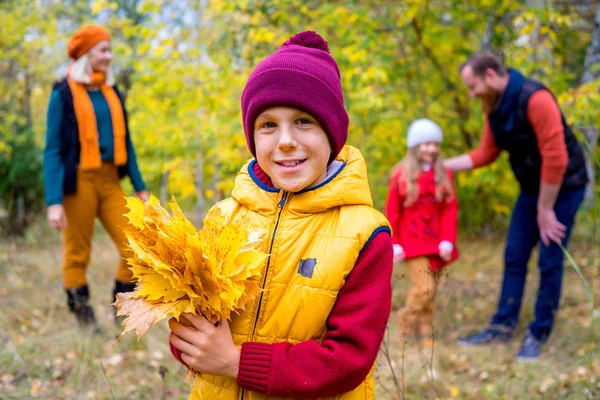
{"x":181,"y":270}
{"x":261,"y":35}
{"x":99,"y":5}
{"x":182,"y":180}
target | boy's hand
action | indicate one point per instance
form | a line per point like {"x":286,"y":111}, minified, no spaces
{"x":206,"y":347}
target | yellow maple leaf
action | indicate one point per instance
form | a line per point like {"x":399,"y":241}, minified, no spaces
{"x":141,"y":314}
{"x":157,"y":287}
{"x":136,"y":212}
{"x":210,"y":272}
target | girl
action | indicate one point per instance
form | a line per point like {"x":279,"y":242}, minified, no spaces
{"x":315,"y":329}
{"x":422,"y":209}
{"x":88,"y":149}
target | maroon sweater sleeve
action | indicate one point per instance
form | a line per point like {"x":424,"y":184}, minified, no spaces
{"x":393,"y":207}
{"x":343,"y":359}
{"x":176,"y":352}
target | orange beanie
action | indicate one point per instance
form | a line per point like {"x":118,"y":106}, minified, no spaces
{"x":84,"y":39}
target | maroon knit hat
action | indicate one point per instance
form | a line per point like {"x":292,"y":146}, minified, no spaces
{"x":303,"y":75}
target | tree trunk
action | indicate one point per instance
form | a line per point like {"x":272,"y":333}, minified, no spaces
{"x":462,"y":109}
{"x":488,"y":35}
{"x":130,"y":10}
{"x":591,"y":136}
{"x":216,"y":178}
{"x":164,"y":186}
{"x":593,"y":54}
{"x":590,"y":133}
{"x":17,"y":217}
{"x":541,"y":55}
{"x":200,"y":199}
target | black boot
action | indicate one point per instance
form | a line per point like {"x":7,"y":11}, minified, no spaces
{"x":121,"y":287}
{"x":78,"y":301}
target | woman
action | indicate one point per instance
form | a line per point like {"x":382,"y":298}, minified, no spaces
{"x":88,"y":149}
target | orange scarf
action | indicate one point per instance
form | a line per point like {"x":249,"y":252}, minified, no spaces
{"x":88,"y":128}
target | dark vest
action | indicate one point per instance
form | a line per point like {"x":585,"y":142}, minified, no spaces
{"x":513,"y":133}
{"x":69,"y":136}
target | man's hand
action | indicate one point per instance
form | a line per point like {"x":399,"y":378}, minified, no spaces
{"x":56,"y":217}
{"x":551,"y":230}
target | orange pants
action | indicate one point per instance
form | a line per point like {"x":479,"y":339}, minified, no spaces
{"x":417,"y":314}
{"x":99,"y":194}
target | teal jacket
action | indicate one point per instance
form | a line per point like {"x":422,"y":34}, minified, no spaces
{"x":53,"y":165}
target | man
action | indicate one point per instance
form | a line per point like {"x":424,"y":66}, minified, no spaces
{"x":523,"y":118}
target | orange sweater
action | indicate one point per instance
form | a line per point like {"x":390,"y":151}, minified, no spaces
{"x":545,"y":118}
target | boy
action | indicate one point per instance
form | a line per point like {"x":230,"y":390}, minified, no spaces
{"x":315,"y":329}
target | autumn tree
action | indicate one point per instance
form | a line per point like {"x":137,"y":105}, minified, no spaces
{"x":183,"y":66}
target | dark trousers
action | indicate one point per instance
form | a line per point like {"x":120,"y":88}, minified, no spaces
{"x":523,"y":235}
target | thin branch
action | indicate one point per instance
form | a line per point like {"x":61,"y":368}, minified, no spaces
{"x":399,"y":387}
{"x":459,"y":107}
{"x":107,"y":380}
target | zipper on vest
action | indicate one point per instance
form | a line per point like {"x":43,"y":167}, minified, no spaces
{"x":280,"y":205}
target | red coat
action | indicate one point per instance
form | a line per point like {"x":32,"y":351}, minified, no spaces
{"x":421,"y":227}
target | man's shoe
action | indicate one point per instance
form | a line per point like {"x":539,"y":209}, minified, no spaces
{"x":493,"y":334}
{"x":531,"y":349}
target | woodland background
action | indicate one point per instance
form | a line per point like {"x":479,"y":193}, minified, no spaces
{"x":182,"y":65}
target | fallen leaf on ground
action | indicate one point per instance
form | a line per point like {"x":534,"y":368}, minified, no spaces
{"x":454,"y":392}
{"x":114,"y":360}
{"x":545,"y":385}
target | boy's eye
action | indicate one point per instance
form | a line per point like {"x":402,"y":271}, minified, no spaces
{"x":268,"y":125}
{"x":304,"y":121}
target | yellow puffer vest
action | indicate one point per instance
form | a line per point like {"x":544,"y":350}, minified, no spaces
{"x":331,"y":223}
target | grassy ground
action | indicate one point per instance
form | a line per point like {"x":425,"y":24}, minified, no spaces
{"x":44,"y":355}
{"x":569,"y":368}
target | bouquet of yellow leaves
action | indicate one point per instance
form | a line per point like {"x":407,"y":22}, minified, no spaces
{"x":182,"y":270}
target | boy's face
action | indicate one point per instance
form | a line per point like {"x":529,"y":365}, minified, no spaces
{"x":291,"y":147}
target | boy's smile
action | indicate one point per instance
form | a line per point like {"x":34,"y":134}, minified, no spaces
{"x":290,"y":165}
{"x":291,"y":147}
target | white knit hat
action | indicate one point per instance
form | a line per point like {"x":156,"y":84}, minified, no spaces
{"x":423,"y":130}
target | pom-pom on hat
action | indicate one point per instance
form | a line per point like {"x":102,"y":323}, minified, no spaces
{"x":303,"y":75}
{"x":84,"y":39}
{"x":423,"y":130}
